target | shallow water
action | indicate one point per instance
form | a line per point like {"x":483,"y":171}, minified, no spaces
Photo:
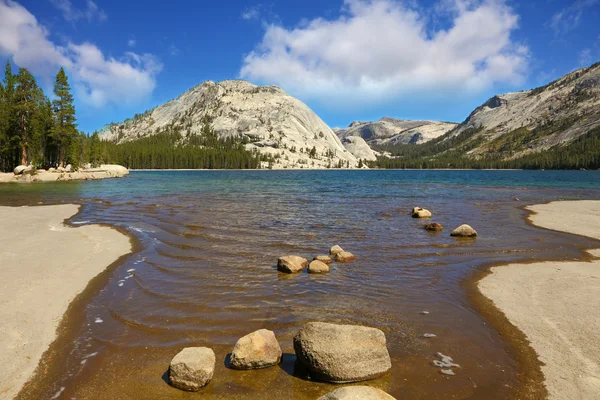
{"x":206,"y":273}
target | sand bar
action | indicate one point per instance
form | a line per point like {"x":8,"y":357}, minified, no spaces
{"x":557,"y":304}
{"x":44,"y":265}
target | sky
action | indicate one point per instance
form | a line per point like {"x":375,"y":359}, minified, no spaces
{"x":347,"y":59}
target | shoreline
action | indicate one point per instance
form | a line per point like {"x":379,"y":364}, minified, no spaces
{"x":550,"y":309}
{"x":28,"y":175}
{"x":45,"y":272}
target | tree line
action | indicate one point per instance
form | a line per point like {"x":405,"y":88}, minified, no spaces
{"x":581,"y":153}
{"x":37,"y":131}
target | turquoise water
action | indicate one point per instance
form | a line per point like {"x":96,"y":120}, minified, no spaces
{"x":205,"y":274}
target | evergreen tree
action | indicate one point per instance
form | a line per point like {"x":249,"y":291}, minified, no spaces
{"x":95,"y":150}
{"x":64,"y":129}
{"x":26,"y":100}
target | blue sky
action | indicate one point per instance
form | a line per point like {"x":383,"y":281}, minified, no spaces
{"x":347,"y":59}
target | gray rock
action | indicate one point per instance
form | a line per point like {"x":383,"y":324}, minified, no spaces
{"x":342,"y":353}
{"x":256,"y":350}
{"x":291,"y":264}
{"x":418,"y":212}
{"x":317,"y":267}
{"x":192,"y":368}
{"x":357,"y":393}
{"x":464,"y":231}
{"x":324,"y":259}
{"x":433,"y":227}
{"x":344,"y":257}
{"x":22,"y":169}
{"x":335,"y":249}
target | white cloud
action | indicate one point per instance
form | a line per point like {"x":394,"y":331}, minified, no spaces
{"x":131,"y":43}
{"x":251,"y":13}
{"x":72,"y":14}
{"x":568,"y":18}
{"x":98,"y":80}
{"x":381,"y":49}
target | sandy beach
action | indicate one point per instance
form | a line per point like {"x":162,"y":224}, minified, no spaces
{"x":45,"y":265}
{"x":557,"y":304}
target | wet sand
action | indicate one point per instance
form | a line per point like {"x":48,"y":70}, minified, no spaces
{"x":45,"y":265}
{"x":557,"y":304}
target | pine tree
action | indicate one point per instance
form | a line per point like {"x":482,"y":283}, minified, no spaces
{"x":360,"y":163}
{"x":8,"y":135}
{"x":26,"y":100}
{"x":95,"y":150}
{"x":64,"y":129}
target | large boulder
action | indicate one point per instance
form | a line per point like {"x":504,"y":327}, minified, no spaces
{"x":335,"y":249}
{"x":192,"y":368}
{"x":68,"y":168}
{"x":291,"y":264}
{"x":317,"y":267}
{"x":342,"y":353}
{"x":114,"y":169}
{"x":22,"y":169}
{"x":357,"y":393}
{"x":464,"y":231}
{"x":418,"y":212}
{"x":344,"y":257}
{"x":325,"y":259}
{"x":256,"y":350}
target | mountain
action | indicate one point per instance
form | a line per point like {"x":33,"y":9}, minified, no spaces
{"x":264,"y":118}
{"x":553,"y":126}
{"x":390,"y":131}
{"x":515,"y":124}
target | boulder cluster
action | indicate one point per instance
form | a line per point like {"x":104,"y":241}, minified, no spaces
{"x":329,"y":352}
{"x":319,"y":264}
{"x":462,"y":231}
{"x":26,"y":173}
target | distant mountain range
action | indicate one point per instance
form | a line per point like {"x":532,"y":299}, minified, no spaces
{"x":512,"y":126}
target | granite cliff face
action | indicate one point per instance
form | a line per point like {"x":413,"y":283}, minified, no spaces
{"x":516,"y":124}
{"x":269,"y":120}
{"x":390,"y":131}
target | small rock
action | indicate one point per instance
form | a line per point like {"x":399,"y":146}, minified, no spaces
{"x":344,"y":257}
{"x":447,"y":372}
{"x":464,"y":231}
{"x":192,"y":368}
{"x":291,"y":264}
{"x":424,"y":313}
{"x":256,"y":350}
{"x":318,"y":267}
{"x":357,"y":393}
{"x":434,"y":227}
{"x":429,"y":335}
{"x":342,"y":353}
{"x":335,"y":249}
{"x":516,"y":199}
{"x":324,"y":259}
{"x":421,"y":213}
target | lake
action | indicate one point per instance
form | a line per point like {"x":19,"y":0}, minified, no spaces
{"x":204,"y":274}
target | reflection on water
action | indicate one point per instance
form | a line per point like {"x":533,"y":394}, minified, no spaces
{"x":206,"y":274}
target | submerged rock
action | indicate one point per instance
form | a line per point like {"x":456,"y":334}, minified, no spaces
{"x":317,"y":267}
{"x":357,"y":393}
{"x":335,"y":249}
{"x":418,"y":212}
{"x":256,"y":350}
{"x":433,"y":227}
{"x":324,"y":259}
{"x":464,"y":231}
{"x":342,"y":353}
{"x":344,"y":257}
{"x":291,"y":264}
{"x":192,"y":368}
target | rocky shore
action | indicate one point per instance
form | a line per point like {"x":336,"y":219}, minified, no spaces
{"x":26,"y":174}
